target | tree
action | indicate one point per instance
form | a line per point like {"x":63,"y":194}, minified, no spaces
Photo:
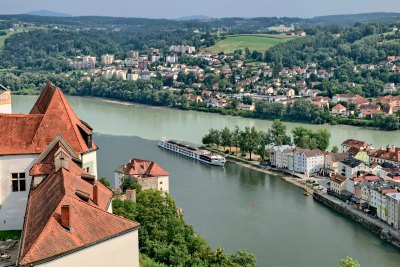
{"x":301,"y":137}
{"x":207,"y":139}
{"x":307,"y":139}
{"x":130,"y":184}
{"x":226,"y":138}
{"x":322,"y":137}
{"x":348,"y":262}
{"x":214,"y":137}
{"x":276,"y":135}
{"x":105,"y":182}
{"x":262,"y":143}
{"x":236,"y":138}
{"x":335,"y":149}
{"x":254,"y":140}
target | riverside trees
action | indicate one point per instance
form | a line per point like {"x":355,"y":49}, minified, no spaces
{"x":249,"y":140}
{"x":252,"y":141}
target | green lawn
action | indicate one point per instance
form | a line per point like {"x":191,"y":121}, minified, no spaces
{"x":259,"y":42}
{"x":13,"y":234}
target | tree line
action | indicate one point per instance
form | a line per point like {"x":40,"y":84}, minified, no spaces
{"x":250,"y":140}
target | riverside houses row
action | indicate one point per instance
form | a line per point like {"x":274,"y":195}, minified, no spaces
{"x":49,"y":190}
{"x":368,"y":178}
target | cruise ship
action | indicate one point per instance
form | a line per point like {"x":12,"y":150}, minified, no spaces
{"x":192,"y":152}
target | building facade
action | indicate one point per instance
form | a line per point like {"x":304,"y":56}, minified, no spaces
{"x":148,"y":174}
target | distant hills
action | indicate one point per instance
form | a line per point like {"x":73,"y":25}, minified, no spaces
{"x":48,"y":13}
{"x":195,"y":17}
{"x":353,"y":18}
{"x":247,"y":25}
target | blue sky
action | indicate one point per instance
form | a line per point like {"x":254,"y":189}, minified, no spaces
{"x":213,"y":8}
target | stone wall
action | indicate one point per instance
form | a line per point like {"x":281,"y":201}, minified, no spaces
{"x":385,"y":233}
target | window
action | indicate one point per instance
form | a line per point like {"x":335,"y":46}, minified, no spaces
{"x":88,"y":169}
{"x":18,"y":182}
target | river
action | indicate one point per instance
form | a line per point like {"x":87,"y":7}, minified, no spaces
{"x":233,"y":207}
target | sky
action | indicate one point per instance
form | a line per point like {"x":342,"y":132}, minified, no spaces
{"x":212,"y":8}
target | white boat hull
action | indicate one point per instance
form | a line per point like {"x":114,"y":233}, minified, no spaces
{"x":193,"y":153}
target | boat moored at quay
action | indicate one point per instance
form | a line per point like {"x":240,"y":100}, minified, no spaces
{"x":192,"y":152}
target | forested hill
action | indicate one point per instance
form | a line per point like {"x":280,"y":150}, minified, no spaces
{"x":238,"y":24}
{"x":354,"y":18}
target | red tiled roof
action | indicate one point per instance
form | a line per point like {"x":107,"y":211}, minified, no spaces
{"x":142,"y":167}
{"x":355,"y":143}
{"x":51,"y":115}
{"x":339,"y":179}
{"x":339,"y":106}
{"x":43,"y":235}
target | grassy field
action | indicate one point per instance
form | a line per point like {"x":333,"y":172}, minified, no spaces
{"x":259,"y":42}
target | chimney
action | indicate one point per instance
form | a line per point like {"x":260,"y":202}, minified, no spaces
{"x":66,"y":217}
{"x":95,"y":194}
{"x":61,"y":160}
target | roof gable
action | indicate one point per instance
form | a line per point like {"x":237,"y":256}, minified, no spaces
{"x":51,"y":115}
{"x":43,"y":235}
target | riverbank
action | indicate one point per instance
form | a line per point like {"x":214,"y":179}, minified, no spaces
{"x":383,"y":230}
{"x":288,"y":178}
{"x":357,"y":124}
{"x":292,"y":178}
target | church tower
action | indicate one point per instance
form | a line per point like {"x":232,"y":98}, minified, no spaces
{"x":5,"y":100}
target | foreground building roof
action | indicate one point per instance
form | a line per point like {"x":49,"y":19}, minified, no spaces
{"x":45,"y":236}
{"x":51,"y":115}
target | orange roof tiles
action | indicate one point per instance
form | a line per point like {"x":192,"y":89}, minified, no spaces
{"x":143,"y":168}
{"x":43,"y":235}
{"x":51,"y":115}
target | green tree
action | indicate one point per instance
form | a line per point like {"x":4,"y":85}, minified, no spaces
{"x":302,"y":138}
{"x":130,"y":184}
{"x":236,"y":138}
{"x":105,"y":182}
{"x":322,"y":137}
{"x":348,"y":262}
{"x":226,"y":138}
{"x":276,"y":135}
{"x":335,"y":149}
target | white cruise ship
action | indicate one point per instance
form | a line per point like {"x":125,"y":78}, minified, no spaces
{"x":192,"y":152}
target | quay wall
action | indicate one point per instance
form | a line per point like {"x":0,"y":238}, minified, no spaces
{"x":374,"y":225}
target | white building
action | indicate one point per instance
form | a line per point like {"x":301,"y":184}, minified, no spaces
{"x":5,"y":100}
{"x":394,"y":210}
{"x":389,"y":88}
{"x":338,"y":184}
{"x":278,"y":157}
{"x":308,"y":161}
{"x":182,"y":49}
{"x":148,"y":174}
{"x":351,"y":167}
{"x":171,"y":58}
{"x":107,"y":59}
{"x":24,"y":136}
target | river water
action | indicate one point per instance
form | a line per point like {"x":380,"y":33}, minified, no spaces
{"x":233,"y":207}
